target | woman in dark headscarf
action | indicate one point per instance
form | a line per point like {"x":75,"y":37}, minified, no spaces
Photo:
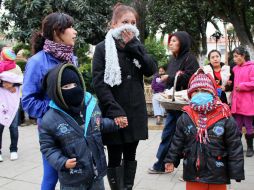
{"x":183,"y":63}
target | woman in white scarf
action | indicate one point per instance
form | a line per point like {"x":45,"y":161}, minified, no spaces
{"x":119,"y":63}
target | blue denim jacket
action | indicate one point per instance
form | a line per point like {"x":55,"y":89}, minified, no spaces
{"x":34,"y":100}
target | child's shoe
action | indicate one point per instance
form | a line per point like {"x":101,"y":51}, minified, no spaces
{"x":1,"y":158}
{"x":14,"y":156}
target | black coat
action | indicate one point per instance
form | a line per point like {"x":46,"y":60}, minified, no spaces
{"x":185,"y":62}
{"x":221,"y":159}
{"x":128,"y":98}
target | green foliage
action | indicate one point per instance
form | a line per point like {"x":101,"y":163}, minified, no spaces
{"x":2,"y":44}
{"x":21,"y":64}
{"x":86,"y":70}
{"x":25,"y":16}
{"x":19,"y":46}
{"x":157,"y":50}
{"x":188,"y":15}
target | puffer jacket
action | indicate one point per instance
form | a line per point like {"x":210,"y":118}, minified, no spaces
{"x":61,"y":138}
{"x":216,"y":162}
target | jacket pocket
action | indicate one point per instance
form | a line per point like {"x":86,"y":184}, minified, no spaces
{"x":217,"y":163}
{"x":78,"y":175}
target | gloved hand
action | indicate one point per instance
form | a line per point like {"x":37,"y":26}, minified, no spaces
{"x":238,"y":180}
{"x":219,"y":90}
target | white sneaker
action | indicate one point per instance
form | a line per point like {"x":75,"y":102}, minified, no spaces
{"x":1,"y":158}
{"x":14,"y":156}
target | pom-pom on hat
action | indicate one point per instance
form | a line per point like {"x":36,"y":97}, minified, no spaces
{"x":8,"y":54}
{"x":200,"y":80}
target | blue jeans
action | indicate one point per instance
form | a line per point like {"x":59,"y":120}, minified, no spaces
{"x":97,"y":185}
{"x":50,"y":176}
{"x":14,"y":134}
{"x":166,"y":138}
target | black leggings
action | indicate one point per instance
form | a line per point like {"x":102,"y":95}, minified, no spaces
{"x":115,"y":153}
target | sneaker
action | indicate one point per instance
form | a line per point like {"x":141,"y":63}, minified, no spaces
{"x":14,"y":156}
{"x":153,"y":171}
{"x":181,"y":178}
{"x":1,"y":158}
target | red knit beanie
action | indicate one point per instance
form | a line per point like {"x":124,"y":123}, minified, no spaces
{"x":200,"y":80}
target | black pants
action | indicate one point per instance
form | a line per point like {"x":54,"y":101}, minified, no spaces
{"x":115,"y":153}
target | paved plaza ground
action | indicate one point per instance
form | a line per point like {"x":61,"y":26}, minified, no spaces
{"x":26,"y":172}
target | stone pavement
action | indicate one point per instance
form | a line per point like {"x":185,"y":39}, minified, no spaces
{"x":26,"y":172}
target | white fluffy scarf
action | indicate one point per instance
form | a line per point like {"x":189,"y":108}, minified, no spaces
{"x":112,"y":75}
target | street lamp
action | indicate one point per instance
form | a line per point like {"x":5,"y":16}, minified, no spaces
{"x":216,"y":35}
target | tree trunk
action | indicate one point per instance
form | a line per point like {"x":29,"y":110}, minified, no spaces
{"x":241,"y":32}
{"x":140,"y":7}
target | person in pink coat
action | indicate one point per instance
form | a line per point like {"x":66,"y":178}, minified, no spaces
{"x":243,"y":95}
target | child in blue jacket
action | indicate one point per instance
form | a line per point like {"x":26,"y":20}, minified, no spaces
{"x":70,"y":132}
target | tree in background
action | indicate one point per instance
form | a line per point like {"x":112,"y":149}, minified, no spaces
{"x":91,"y":17}
{"x":240,"y":14}
{"x":188,"y":15}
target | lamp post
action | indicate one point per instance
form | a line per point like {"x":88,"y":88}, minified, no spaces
{"x":216,"y":35}
{"x":226,"y":42}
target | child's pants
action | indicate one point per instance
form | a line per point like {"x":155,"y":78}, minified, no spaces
{"x":204,"y":186}
{"x":246,"y":121}
{"x":157,"y":107}
{"x":14,"y":134}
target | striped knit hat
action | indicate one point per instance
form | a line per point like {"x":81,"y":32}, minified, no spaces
{"x":8,"y":54}
{"x":200,"y":80}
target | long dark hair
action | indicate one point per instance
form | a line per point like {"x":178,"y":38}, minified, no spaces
{"x":54,"y":23}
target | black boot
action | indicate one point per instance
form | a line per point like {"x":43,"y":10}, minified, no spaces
{"x":249,"y":141}
{"x":129,"y":173}
{"x":115,"y":178}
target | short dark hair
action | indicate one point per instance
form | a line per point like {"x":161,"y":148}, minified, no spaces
{"x":240,"y":50}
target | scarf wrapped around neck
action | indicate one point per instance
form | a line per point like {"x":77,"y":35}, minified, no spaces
{"x":202,"y":135}
{"x":60,"y":51}
{"x":112,"y":74}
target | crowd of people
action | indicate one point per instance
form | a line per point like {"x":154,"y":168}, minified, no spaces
{"x":206,"y":133}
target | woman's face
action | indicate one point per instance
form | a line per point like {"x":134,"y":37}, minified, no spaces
{"x":238,"y":59}
{"x":126,"y":18}
{"x":68,"y":37}
{"x":215,"y":59}
{"x":174,"y":45}
{"x":161,"y":71}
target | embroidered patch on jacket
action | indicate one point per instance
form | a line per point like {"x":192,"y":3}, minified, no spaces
{"x":97,"y":120}
{"x":218,"y":130}
{"x":219,"y":164}
{"x":63,"y":129}
{"x":187,"y":130}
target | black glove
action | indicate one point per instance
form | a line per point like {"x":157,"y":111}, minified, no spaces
{"x":238,"y":180}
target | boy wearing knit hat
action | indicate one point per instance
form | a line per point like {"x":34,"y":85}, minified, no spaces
{"x":207,"y":139}
{"x":70,"y":132}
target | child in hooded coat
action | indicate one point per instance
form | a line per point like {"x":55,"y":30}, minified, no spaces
{"x":11,"y":78}
{"x":70,"y":133}
{"x":207,"y":139}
